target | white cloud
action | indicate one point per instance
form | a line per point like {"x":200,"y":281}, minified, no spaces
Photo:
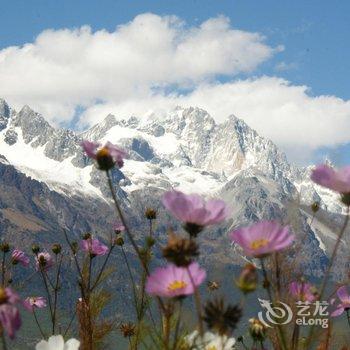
{"x":63,"y":69}
{"x":287,"y":114}
{"x":129,"y":71}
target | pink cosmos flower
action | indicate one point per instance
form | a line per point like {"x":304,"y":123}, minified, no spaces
{"x":18,"y":256}
{"x":34,"y":302}
{"x":326,"y":176}
{"x":172,"y":281}
{"x":95,"y":151}
{"x":93,"y":246}
{"x":9,"y":314}
{"x":344,"y":305}
{"x":118,"y":227}
{"x":262,"y":238}
{"x":194,"y":211}
{"x":302,"y":291}
{"x":43,"y":261}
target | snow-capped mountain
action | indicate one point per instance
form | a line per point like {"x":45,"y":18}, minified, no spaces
{"x":184,"y":149}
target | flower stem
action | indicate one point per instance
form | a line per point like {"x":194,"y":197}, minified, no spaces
{"x":198,"y":303}
{"x":280,"y":330}
{"x":54,"y":314}
{"x":47,"y":292}
{"x":4,"y":346}
{"x":3,"y":269}
{"x":38,"y":324}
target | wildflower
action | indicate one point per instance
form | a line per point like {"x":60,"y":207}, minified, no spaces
{"x":248,"y":279}
{"x":212,"y":285}
{"x":43,"y":261}
{"x":257,"y":329}
{"x":150,"y":214}
{"x":118,"y":227}
{"x":180,"y":251}
{"x":56,"y":342}
{"x":127,"y":329}
{"x":326,"y":176}
{"x":56,"y":248}
{"x":94,"y":247}
{"x":9,"y":315}
{"x":18,"y":256}
{"x":262,"y":238}
{"x":194,"y":211}
{"x":172,"y":281}
{"x":106,"y":156}
{"x":209,"y":341}
{"x":34,"y":302}
{"x":302,"y":291}
{"x":344,"y":305}
{"x":220,"y":318}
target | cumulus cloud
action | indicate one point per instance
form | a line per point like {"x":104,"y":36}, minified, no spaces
{"x":132,"y":69}
{"x":63,"y":69}
{"x":287,"y":114}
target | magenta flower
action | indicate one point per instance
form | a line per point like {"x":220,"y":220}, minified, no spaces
{"x":172,"y":281}
{"x":43,"y":261}
{"x":118,"y":227}
{"x":94,"y":247}
{"x":9,"y":315}
{"x":326,"y":176}
{"x":18,"y":256}
{"x":194,"y":211}
{"x":344,"y":305}
{"x":302,"y":291}
{"x":106,"y":156}
{"x":262,"y":238}
{"x":34,"y":302}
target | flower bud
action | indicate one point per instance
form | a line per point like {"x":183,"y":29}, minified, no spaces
{"x":5,"y":247}
{"x":56,"y":248}
{"x":87,"y":236}
{"x":345,"y":198}
{"x":150,"y":214}
{"x":257,"y":330}
{"x":315,"y":207}
{"x":35,"y":249}
{"x":119,"y":241}
{"x":248,"y":279}
{"x":150,"y":241}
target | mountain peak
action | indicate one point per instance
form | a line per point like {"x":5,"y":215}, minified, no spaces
{"x":5,"y":113}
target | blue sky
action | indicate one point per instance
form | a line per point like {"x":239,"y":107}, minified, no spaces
{"x":315,"y":36}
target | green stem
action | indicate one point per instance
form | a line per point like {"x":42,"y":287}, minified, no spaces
{"x":56,"y":294}
{"x":280,"y":330}
{"x":4,"y":346}
{"x":198,"y":303}
{"x":38,"y":324}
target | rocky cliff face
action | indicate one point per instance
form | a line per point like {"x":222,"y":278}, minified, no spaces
{"x":47,"y":183}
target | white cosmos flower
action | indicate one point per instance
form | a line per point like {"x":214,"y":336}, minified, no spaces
{"x":56,"y":342}
{"x":210,"y":341}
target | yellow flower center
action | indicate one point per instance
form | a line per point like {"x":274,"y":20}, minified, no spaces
{"x":176,"y":285}
{"x":103,"y":152}
{"x":259,"y":243}
{"x":213,"y":347}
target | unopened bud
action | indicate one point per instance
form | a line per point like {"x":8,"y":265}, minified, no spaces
{"x":56,"y":248}
{"x":150,"y":241}
{"x":119,"y":241}
{"x":248,"y":279}
{"x":74,"y":247}
{"x":5,"y":247}
{"x":345,"y":198}
{"x":87,"y":236}
{"x":257,"y":330}
{"x":315,"y":207}
{"x":35,"y":249}
{"x":150,"y":214}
